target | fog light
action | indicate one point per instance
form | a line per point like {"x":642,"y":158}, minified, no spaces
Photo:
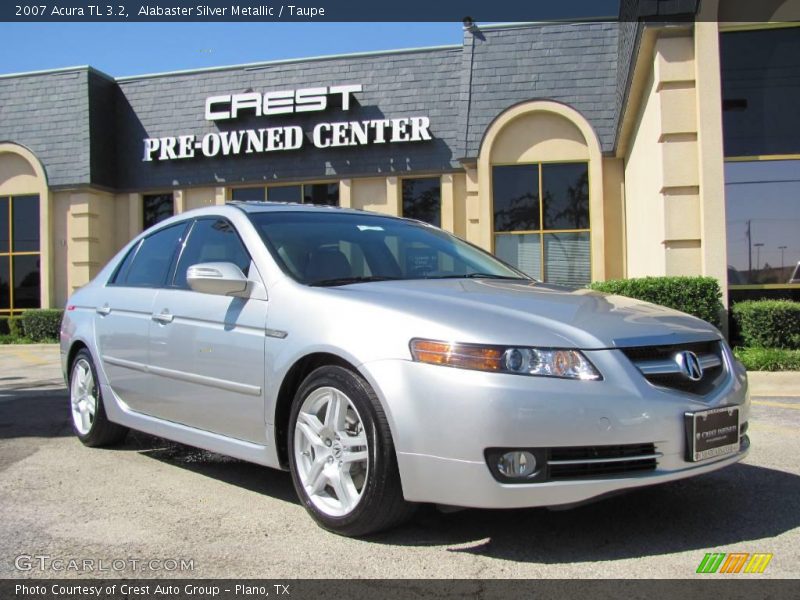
{"x":516,"y":464}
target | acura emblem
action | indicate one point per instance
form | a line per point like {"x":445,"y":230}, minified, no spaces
{"x":689,"y":365}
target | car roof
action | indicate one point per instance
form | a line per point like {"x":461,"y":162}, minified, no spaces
{"x":254,"y":206}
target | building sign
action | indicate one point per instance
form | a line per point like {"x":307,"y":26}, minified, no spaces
{"x":292,"y":137}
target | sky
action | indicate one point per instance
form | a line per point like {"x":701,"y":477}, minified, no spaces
{"x":121,"y":49}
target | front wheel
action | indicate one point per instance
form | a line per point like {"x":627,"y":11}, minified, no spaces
{"x":342,"y":457}
{"x":89,"y":421}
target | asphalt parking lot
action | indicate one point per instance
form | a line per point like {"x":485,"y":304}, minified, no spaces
{"x":153,"y":499}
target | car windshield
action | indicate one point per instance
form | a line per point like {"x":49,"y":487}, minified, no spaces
{"x":340,"y":248}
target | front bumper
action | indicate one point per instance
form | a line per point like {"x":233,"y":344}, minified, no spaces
{"x":443,"y":419}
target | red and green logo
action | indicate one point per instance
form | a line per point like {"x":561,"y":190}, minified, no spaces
{"x":734,"y":562}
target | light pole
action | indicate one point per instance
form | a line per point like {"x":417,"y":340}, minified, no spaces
{"x":782,"y":248}
{"x":758,"y":246}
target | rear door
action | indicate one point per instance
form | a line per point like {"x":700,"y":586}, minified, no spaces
{"x":124,"y":314}
{"x":206,"y":350}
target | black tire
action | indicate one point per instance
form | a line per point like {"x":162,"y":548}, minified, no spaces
{"x":381,"y":505}
{"x":101,"y":431}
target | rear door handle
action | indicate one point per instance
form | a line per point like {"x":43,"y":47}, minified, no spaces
{"x":103,"y":310}
{"x":163,"y":317}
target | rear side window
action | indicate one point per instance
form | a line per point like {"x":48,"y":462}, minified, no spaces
{"x":211,"y":240}
{"x":150,"y":264}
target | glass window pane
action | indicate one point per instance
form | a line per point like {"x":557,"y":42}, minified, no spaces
{"x":760,"y":91}
{"x":5,"y":282}
{"x":4,"y":215}
{"x":521,"y":251}
{"x":154,"y":258}
{"x":422,"y":200}
{"x":762,"y":210}
{"x":249,"y":193}
{"x":284,"y":193}
{"x":326,"y":194}
{"x":565,"y":191}
{"x":26,"y":281}
{"x":26,"y":223}
{"x":211,"y":240}
{"x":515,"y":196}
{"x":122,"y":270}
{"x":566,"y":259}
{"x":156,"y":208}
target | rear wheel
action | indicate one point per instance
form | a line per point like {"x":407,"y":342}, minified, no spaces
{"x":342,"y":457}
{"x":89,"y":421}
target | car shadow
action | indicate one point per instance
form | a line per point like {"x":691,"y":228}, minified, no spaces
{"x":742,"y":503}
{"x":34,"y":413}
{"x":249,"y":476}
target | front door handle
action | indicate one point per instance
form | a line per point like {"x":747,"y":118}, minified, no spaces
{"x":103,"y":310}
{"x":163,"y":317}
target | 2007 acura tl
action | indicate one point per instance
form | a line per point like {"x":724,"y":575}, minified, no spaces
{"x":385,"y":363}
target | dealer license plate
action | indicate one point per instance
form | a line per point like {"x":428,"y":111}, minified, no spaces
{"x":712,"y":433}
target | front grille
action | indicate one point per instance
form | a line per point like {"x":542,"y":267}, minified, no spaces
{"x":658,"y":365}
{"x":596,"y":461}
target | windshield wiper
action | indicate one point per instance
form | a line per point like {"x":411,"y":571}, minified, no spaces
{"x":480,"y":276}
{"x":348,"y":280}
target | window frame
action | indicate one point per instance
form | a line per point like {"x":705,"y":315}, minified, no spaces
{"x":136,"y":247}
{"x":301,"y":184}
{"x":10,"y":254}
{"x":173,"y":271}
{"x":747,"y":159}
{"x":541,"y":232}
{"x":732,"y":28}
{"x":402,"y":203}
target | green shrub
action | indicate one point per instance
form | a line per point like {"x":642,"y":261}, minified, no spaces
{"x":768,"y":323}
{"x":768,"y":359}
{"x":42,"y":325}
{"x":15,"y":329}
{"x":698,"y":296}
{"x":4,"y":326}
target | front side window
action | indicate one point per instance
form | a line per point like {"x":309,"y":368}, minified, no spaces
{"x":156,"y":208}
{"x":149,"y":262}
{"x":762,"y":210}
{"x":20,"y":257}
{"x":422,"y":200}
{"x":211,"y":240}
{"x":333,"y":249}
{"x":541,"y":220}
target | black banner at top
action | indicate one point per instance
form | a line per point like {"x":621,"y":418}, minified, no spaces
{"x":481,"y":11}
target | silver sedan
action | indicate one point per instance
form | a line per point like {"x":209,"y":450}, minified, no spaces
{"x":386,"y":363}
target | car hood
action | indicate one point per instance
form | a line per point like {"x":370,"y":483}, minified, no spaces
{"x":526,"y":313}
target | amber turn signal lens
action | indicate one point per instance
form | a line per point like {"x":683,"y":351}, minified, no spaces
{"x":457,"y":355}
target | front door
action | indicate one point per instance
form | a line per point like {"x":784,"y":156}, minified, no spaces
{"x":206,"y":350}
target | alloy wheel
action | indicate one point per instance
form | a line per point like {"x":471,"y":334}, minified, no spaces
{"x":331,"y":451}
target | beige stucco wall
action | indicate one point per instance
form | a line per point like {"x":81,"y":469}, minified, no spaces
{"x":539,"y":137}
{"x":674,"y":192}
{"x":614,"y":217}
{"x":644,"y":205}
{"x":371,"y":194}
{"x":460,"y":204}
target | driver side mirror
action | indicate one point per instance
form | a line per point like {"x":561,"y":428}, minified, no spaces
{"x":220,"y":278}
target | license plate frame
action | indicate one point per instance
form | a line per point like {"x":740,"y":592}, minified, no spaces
{"x":712,"y":433}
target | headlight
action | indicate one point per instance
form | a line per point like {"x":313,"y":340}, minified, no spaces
{"x":543,"y":362}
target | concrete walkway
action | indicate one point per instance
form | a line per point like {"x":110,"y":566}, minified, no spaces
{"x":30,"y":367}
{"x":37,"y":366}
